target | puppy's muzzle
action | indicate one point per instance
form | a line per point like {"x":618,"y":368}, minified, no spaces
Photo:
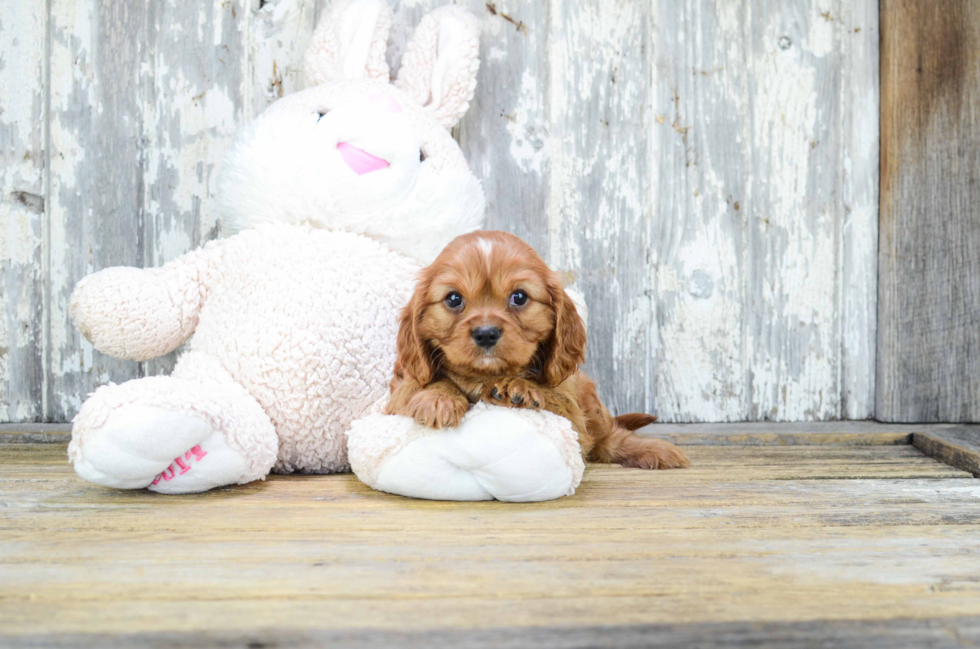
{"x":486,"y":336}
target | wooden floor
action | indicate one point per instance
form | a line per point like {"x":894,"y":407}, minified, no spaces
{"x":775,"y":543}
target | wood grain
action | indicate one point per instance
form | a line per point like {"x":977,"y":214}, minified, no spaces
{"x":278,"y":33}
{"x":958,"y":446}
{"x":929,"y":260}
{"x":23,"y":40}
{"x":637,"y":238}
{"x":507,"y":133}
{"x":762,"y":241}
{"x":95,"y":191}
{"x":858,"y":173}
{"x":194,"y":88}
{"x":762,"y":535}
{"x":940,"y":633}
{"x":142,"y":113}
{"x":599,"y":203}
{"x":839,"y":433}
{"x":705,"y":173}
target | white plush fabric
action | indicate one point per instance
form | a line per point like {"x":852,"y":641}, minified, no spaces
{"x":495,"y":454}
{"x":440,"y":64}
{"x":284,"y":168}
{"x":126,"y":436}
{"x":303,"y":319}
{"x":294,"y":316}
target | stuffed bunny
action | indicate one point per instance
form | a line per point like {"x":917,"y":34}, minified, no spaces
{"x":333,"y":198}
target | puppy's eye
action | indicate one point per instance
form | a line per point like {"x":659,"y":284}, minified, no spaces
{"x":518,"y":298}
{"x":454,"y":300}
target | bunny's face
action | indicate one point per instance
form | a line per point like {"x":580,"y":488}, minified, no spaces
{"x":362,"y":154}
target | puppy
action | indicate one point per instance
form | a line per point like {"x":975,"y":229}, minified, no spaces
{"x":489,"y":321}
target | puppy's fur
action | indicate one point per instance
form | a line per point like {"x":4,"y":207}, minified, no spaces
{"x":494,"y":280}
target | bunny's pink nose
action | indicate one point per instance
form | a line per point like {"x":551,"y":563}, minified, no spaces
{"x":359,"y":160}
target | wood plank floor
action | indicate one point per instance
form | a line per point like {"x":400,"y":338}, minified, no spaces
{"x":773,"y":542}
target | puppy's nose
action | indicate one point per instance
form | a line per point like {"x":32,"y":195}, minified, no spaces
{"x":486,"y":337}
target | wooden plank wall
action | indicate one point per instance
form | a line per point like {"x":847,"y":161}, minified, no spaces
{"x":929,"y":264}
{"x":23,"y":112}
{"x":764,"y":209}
{"x":706,"y":173}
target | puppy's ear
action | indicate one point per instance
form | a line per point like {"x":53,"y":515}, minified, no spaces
{"x":414,"y":355}
{"x":565,"y":352}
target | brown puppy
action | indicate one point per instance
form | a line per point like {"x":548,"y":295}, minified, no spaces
{"x":489,"y":321}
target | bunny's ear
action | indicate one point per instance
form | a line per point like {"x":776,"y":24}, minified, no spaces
{"x":440,"y":63}
{"x":349,"y":43}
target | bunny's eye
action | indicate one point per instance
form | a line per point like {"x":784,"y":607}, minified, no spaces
{"x":422,"y":155}
{"x":320,"y":116}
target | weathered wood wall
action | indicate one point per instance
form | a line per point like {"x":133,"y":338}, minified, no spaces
{"x":929,"y":264}
{"x":705,"y":172}
{"x":23,"y":114}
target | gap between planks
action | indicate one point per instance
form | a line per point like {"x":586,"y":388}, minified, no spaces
{"x":942,"y":633}
{"x":780,"y":536}
{"x":843,"y":433}
{"x":954,"y":444}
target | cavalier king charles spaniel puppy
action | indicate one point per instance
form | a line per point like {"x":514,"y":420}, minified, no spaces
{"x":489,"y":321}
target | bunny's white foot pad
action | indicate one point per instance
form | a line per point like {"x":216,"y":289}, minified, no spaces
{"x":170,"y":452}
{"x":495,"y":453}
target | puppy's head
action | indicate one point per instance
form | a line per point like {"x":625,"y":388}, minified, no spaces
{"x":488,"y":306}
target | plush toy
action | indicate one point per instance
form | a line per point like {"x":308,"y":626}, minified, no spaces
{"x":334,"y":197}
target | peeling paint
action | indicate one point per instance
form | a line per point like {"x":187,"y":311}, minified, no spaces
{"x":748,"y":194}
{"x":706,"y":172}
{"x":279,"y":34}
{"x":598,"y":205}
{"x":22,"y":206}
{"x":527,"y":139}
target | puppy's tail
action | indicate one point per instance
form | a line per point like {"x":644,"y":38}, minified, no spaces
{"x":634,"y":420}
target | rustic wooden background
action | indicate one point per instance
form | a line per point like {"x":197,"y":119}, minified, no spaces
{"x":929,"y":260}
{"x":707,"y":173}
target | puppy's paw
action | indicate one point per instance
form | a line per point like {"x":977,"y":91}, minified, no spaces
{"x":647,"y":453}
{"x":513,"y":392}
{"x":435,"y":409}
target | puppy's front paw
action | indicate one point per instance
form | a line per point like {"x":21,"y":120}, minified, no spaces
{"x":513,"y":393}
{"x":434,"y":409}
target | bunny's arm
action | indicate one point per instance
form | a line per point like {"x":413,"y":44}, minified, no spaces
{"x":140,"y":314}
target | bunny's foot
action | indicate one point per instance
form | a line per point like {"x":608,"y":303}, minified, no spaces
{"x":172,"y":435}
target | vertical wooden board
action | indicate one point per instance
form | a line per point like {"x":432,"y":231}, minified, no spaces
{"x":793,"y":212}
{"x":699,"y":138}
{"x":405,"y":17}
{"x":929,"y":244}
{"x":538,"y":101}
{"x":95,"y":192}
{"x":506,"y":135}
{"x":598,"y":203}
{"x":859,"y":169}
{"x":749,"y":210}
{"x":725,"y":175}
{"x":22,"y":83}
{"x":194,"y":87}
{"x":279,"y":31}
